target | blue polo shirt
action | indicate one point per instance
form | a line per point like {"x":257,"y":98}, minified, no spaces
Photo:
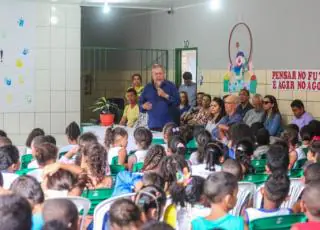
{"x":163,"y":110}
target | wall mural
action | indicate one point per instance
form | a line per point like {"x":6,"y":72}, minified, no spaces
{"x":240,"y":70}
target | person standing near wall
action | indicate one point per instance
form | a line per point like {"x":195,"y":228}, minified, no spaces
{"x":137,"y":83}
{"x":160,"y":99}
{"x":190,"y":87}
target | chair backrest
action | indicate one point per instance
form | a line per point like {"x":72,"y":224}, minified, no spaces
{"x":115,"y":169}
{"x":296,"y":173}
{"x":296,"y":188}
{"x":83,"y":206}
{"x":96,"y":196}
{"x":245,"y":193}
{"x":257,"y":179}
{"x":102,"y":208}
{"x":157,"y":141}
{"x":300,"y":163}
{"x":23,"y":172}
{"x":305,"y":150}
{"x":276,"y":222}
{"x":62,"y":154}
{"x":114,"y":160}
{"x":137,"y":167}
{"x":259,"y":165}
{"x":25,"y":160}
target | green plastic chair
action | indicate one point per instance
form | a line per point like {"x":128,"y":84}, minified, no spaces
{"x":115,"y":169}
{"x":259,"y":165}
{"x":300,"y":163}
{"x":192,"y":144}
{"x":278,"y":222}
{"x":305,"y":150}
{"x":137,"y":167}
{"x":257,"y":179}
{"x":23,"y":172}
{"x":62,"y":154}
{"x":158,"y":142}
{"x":296,"y":173}
{"x":96,"y":196}
{"x":25,"y":160}
{"x":114,"y":160}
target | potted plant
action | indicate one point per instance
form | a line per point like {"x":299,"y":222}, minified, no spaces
{"x":107,"y":110}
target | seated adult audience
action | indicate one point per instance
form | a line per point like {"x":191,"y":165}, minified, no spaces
{"x":202,"y":117}
{"x":244,"y":106}
{"x":189,"y":87}
{"x":272,"y":115}
{"x":257,"y":113}
{"x":230,"y":103}
{"x":301,"y":117}
{"x":217,"y":113}
{"x":194,"y":109}
{"x":184,"y":106}
{"x":137,"y":83}
{"x":131,"y":111}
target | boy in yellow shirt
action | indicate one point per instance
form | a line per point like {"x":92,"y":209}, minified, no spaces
{"x":131,"y":111}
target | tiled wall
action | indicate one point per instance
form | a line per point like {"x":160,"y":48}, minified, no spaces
{"x":213,"y":85}
{"x":57,"y":76}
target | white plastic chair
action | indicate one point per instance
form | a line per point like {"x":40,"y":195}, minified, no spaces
{"x":102,"y":208}
{"x":296,"y":188}
{"x":83,"y":204}
{"x":245,"y":193}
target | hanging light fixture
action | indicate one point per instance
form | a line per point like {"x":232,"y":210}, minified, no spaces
{"x":215,"y":4}
{"x":106,"y":7}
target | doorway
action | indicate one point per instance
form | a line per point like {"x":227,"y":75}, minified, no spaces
{"x":186,"y":61}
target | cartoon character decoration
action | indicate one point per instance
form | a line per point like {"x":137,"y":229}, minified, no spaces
{"x":240,"y":72}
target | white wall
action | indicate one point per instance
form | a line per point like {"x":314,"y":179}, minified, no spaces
{"x":57,"y":74}
{"x":285,"y":32}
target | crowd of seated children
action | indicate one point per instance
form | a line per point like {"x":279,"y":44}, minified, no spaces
{"x":34,"y":133}
{"x":9,"y":164}
{"x":262,"y":144}
{"x":72,"y":132}
{"x":143,"y":139}
{"x":189,"y":203}
{"x":234,"y":167}
{"x":310,"y":205}
{"x":274,"y":192}
{"x":214,"y":158}
{"x":220,"y":188}
{"x":73,"y":156}
{"x":193,"y":194}
{"x":202,"y":139}
{"x":116,"y":141}
{"x":314,"y":152}
{"x":60,"y":212}
{"x":176,"y":145}
{"x":29,"y":188}
{"x":291,"y":136}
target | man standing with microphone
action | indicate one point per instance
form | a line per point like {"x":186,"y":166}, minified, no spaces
{"x":160,"y":99}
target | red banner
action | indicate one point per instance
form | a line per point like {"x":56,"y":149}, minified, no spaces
{"x":296,"y":80}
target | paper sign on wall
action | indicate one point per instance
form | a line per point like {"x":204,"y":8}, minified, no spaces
{"x":17,"y":40}
{"x":308,"y":80}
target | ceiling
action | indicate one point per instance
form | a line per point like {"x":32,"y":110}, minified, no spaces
{"x":133,"y":3}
